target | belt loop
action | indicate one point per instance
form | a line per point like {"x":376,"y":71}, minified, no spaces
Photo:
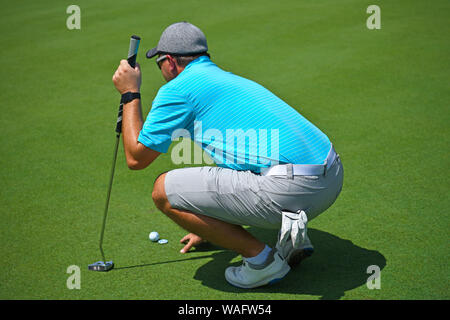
{"x":289,"y":171}
{"x":325,"y":168}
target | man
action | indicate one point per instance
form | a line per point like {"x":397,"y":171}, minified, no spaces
{"x":281,"y":186}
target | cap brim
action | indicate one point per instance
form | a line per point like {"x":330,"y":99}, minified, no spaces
{"x":151,"y":53}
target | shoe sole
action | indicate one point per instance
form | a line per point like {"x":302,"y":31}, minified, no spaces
{"x":279,"y":276}
{"x":297,"y":256}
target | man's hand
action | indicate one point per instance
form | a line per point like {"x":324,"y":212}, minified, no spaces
{"x":126,"y":78}
{"x":191,"y":240}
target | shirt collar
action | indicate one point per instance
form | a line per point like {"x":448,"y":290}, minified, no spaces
{"x":199,"y":60}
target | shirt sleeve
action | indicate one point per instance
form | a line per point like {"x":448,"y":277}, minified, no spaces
{"x":170,"y":111}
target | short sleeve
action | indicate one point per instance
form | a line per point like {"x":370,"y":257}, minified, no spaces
{"x":170,"y":111}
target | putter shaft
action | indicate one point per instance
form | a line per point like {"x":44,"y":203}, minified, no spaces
{"x":109,"y":195}
{"x":132,"y":54}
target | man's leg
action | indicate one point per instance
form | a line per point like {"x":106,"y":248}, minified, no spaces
{"x":221,"y":233}
{"x":213,"y":203}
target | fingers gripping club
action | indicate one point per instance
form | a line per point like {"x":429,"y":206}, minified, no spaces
{"x":131,"y":58}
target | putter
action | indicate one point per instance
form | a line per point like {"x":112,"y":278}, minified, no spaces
{"x":108,"y":265}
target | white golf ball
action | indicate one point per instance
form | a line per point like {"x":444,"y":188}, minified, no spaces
{"x":153,"y":236}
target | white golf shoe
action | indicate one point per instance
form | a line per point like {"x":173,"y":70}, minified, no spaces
{"x":252,"y":276}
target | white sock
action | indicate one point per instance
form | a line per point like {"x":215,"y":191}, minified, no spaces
{"x":261,"y":257}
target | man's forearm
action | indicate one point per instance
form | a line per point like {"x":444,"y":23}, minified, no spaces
{"x":127,"y":79}
{"x":131,"y":127}
{"x":138,"y":156}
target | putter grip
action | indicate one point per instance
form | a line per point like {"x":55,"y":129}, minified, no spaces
{"x":131,"y":58}
{"x":132,"y":51}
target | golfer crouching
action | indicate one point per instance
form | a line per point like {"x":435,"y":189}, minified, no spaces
{"x":274,"y":169}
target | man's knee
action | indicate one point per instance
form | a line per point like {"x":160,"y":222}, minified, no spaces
{"x":159,"y":193}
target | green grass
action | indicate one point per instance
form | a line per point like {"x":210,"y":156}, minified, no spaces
{"x":380,"y":95}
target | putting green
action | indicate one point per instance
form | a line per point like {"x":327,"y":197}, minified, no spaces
{"x":380,"y":95}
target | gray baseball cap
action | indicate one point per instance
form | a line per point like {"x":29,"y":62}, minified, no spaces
{"x":181,"y":38}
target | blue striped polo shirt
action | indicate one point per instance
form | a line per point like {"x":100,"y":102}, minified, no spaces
{"x":240,"y":124}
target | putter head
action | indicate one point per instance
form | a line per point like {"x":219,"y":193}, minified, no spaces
{"x":101,"y":266}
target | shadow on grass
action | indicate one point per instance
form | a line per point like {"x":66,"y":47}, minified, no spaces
{"x":336,"y":266}
{"x":161,"y":262}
